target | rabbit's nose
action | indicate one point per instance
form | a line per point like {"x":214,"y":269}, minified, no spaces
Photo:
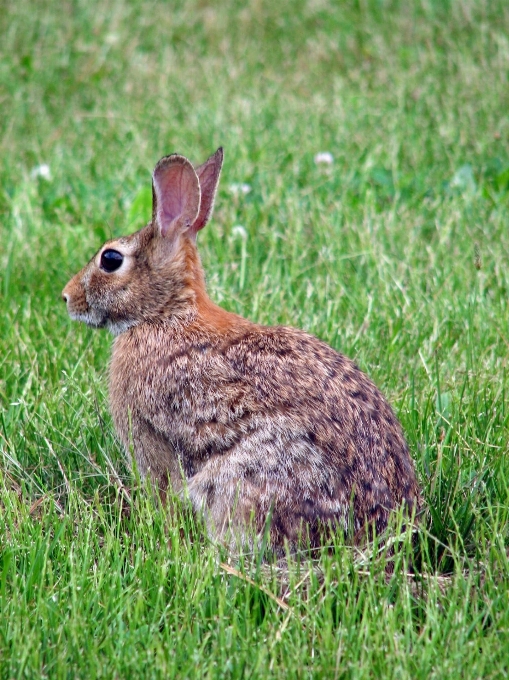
{"x":65,"y":293}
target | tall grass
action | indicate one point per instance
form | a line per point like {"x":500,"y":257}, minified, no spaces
{"x":396,"y":253}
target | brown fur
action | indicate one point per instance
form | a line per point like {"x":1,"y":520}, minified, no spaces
{"x":255,"y":424}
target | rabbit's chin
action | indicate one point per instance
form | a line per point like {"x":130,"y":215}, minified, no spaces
{"x":118,"y":327}
{"x":95,"y":320}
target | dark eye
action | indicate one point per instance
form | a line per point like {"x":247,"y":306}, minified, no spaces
{"x":111,"y":260}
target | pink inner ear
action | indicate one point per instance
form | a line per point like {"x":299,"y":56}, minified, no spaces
{"x":176,"y":194}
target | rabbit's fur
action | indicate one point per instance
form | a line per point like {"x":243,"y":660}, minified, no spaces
{"x":264,"y":428}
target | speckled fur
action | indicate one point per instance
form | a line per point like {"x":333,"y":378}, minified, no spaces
{"x":252,"y":422}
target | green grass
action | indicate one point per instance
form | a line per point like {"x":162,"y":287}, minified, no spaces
{"x":396,"y":254}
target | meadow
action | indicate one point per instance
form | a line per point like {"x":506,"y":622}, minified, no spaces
{"x":393,"y":246}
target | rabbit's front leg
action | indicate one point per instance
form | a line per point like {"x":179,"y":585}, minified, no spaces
{"x":154,"y":455}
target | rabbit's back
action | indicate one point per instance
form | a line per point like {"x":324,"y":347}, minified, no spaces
{"x":259,"y":421}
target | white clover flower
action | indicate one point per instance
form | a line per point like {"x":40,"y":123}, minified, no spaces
{"x":111,"y":38}
{"x":239,"y":230}
{"x":43,"y":171}
{"x":239,"y":188}
{"x":324,"y":158}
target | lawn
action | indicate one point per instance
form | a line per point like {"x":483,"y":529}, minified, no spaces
{"x":393,"y":246}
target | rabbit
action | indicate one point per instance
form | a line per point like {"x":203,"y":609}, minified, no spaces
{"x":268,"y":431}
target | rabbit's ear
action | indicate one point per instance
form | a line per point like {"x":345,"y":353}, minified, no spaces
{"x":208,"y":174}
{"x":175,"y":195}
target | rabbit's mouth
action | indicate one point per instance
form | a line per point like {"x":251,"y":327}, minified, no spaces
{"x":90,"y":318}
{"x":94,"y":319}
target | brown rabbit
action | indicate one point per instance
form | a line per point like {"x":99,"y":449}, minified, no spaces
{"x":262,"y":427}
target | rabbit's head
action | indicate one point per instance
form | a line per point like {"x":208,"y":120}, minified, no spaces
{"x":155,"y":272}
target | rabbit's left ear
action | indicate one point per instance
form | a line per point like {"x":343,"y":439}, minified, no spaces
{"x":208,"y":175}
{"x":175,"y":195}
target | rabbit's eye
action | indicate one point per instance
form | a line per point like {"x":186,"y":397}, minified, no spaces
{"x":111,"y":260}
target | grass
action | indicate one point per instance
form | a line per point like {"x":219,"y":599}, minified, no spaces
{"x":396,"y":254}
